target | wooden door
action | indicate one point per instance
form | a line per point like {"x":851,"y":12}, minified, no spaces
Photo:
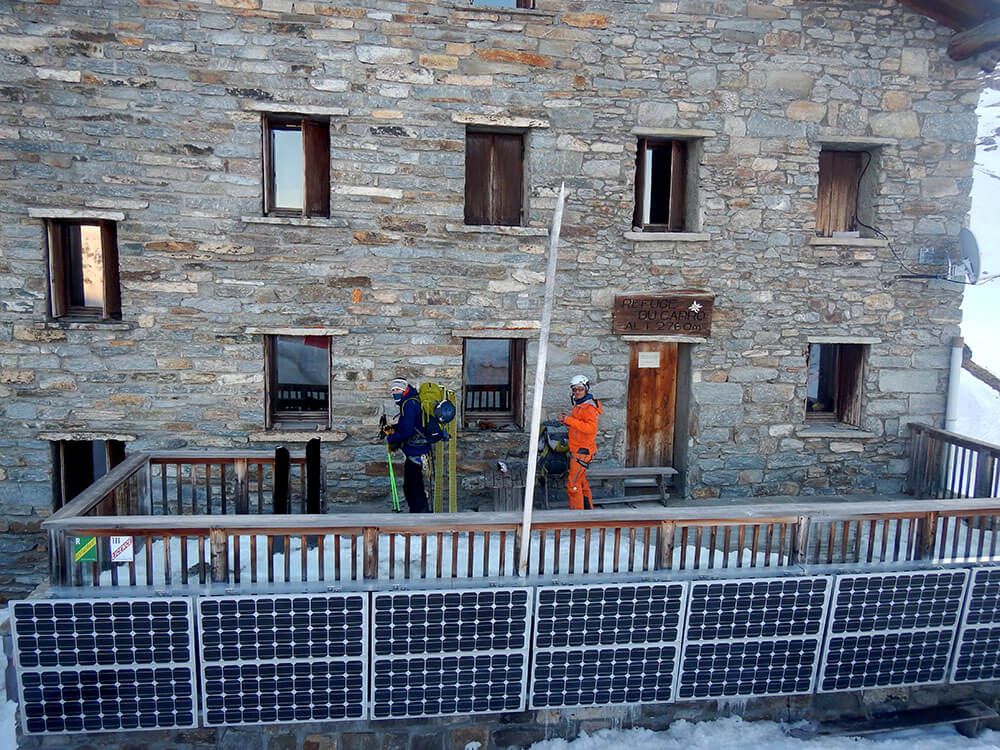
{"x":652,"y":402}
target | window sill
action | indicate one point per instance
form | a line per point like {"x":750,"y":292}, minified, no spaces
{"x":87,"y":324}
{"x":848,"y":242}
{"x":668,"y":236}
{"x":511,"y":11}
{"x":295,"y":221}
{"x":286,"y":434}
{"x":497,"y":229}
{"x":834,"y":430}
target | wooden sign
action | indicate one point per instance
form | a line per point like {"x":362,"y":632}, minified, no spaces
{"x":666,"y":315}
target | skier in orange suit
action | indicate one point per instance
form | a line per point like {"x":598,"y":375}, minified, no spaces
{"x":582,"y":423}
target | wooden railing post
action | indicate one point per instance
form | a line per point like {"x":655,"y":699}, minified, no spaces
{"x":665,"y":545}
{"x":985,"y":468}
{"x":371,"y":553}
{"x":517,"y":545}
{"x":219,"y":543}
{"x":927,"y":537}
{"x":242,"y":487}
{"x":800,"y":553}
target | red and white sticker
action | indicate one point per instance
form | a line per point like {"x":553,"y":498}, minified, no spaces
{"x":121,"y":549}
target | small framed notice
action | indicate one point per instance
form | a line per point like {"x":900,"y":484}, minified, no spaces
{"x":122,"y":550}
{"x":649,"y":360}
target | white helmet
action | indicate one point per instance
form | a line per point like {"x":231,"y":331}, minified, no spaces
{"x":579,"y":380}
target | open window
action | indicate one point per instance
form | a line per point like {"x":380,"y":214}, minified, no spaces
{"x":77,"y":464}
{"x":494,"y":178}
{"x":845,"y":194}
{"x":835,"y":382}
{"x":665,"y":185}
{"x":296,"y":165}
{"x":493,"y":383}
{"x":297,"y":381}
{"x":83,"y":270}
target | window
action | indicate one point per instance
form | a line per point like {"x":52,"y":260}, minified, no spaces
{"x":845,"y":194}
{"x":665,"y":196}
{"x":79,"y":463}
{"x":298,"y":380}
{"x":83,"y":269}
{"x":835,"y":382}
{"x":493,"y":383}
{"x":296,"y":166}
{"x":503,"y":3}
{"x":494,"y":178}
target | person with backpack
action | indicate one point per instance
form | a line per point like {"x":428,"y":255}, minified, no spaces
{"x":408,"y":434}
{"x":582,"y":424}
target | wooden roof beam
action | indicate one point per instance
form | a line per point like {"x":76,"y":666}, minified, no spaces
{"x":955,"y":14}
{"x":981,"y":38}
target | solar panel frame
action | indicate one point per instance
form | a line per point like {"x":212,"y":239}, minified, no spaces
{"x":892,"y":633}
{"x":398,"y":666}
{"x":596,"y":664}
{"x":104,"y":679}
{"x":979,"y":632}
{"x":712,"y":648}
{"x":237,"y":669}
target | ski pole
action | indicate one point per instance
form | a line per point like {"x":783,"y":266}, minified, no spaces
{"x":392,"y":481}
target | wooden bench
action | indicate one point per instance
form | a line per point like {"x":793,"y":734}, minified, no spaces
{"x":624,"y":477}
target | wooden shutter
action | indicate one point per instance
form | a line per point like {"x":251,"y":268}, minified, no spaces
{"x":112,"y":281}
{"x":525,"y":3}
{"x":316,"y":152}
{"x":57,"y":269}
{"x":640,"y":183}
{"x":850,"y":383}
{"x":115,"y":453}
{"x":678,"y":174}
{"x":837,"y":196}
{"x":270,"y":379}
{"x":478,"y":147}
{"x":517,"y":381}
{"x":507,"y":179}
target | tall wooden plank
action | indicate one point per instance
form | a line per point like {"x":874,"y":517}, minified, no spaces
{"x":508,"y":179}
{"x":478,"y":148}
{"x":678,"y":173}
{"x":316,"y":152}
{"x":109,"y":259}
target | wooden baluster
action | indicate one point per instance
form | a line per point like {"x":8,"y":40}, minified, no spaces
{"x":179,"y":486}
{"x":355,"y":554}
{"x":664,"y":545}
{"x":486,"y":553}
{"x":557,"y":556}
{"x":208,"y":489}
{"x":392,"y":555}
{"x":270,"y":558}
{"x":184,"y":560}
{"x":439,"y":562}
{"x":754,"y":538}
{"x":572,"y":551}
{"x":253,"y":558}
{"x":726,"y":544}
{"x":471,"y":551}
{"x":423,"y":555}
{"x":454,"y":554}
{"x":631,"y":549}
{"x":740,"y":541}
{"x":541,"y":551}
{"x":615,"y":568}
{"x":697,"y":547}
{"x":321,"y":556}
{"x":601,"y":549}
{"x":371,"y":553}
{"x":586,"y":550}
{"x":800,"y":553}
{"x":503,"y":553}
{"x":219,"y":544}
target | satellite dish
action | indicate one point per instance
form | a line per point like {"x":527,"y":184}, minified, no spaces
{"x":969,"y":250}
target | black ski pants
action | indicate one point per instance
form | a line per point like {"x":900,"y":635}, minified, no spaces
{"x":413,"y":487}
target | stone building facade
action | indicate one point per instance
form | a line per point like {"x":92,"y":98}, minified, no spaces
{"x":157,"y":121}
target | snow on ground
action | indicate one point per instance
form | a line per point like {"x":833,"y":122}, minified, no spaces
{"x":978,"y":410}
{"x":731,"y":733}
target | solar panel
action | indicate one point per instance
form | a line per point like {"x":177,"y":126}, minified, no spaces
{"x":753,"y":637}
{"x":282,"y":658}
{"x":891,"y":629}
{"x":977,"y":656}
{"x":606,"y":644}
{"x":443,"y":652}
{"x":99,"y":666}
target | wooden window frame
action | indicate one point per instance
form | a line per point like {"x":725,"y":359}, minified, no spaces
{"x":315,"y":164}
{"x":838,"y":191}
{"x":845,"y":371}
{"x":274,"y":419}
{"x":503,"y":418}
{"x":493,"y":198}
{"x":114,"y":454}
{"x":678,"y":189}
{"x":58,"y":248}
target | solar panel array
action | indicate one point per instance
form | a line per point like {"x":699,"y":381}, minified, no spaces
{"x":438,"y":653}
{"x":977,"y":656}
{"x":603,"y":645}
{"x":891,"y":629}
{"x":267,"y":659}
{"x":99,"y":666}
{"x":753,"y":637}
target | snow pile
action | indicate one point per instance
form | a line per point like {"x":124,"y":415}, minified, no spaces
{"x":732,"y":733}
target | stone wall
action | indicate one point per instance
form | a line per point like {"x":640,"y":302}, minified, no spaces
{"x":153,"y":110}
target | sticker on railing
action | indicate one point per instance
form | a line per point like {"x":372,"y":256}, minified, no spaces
{"x":84,"y":549}
{"x":122,"y":550}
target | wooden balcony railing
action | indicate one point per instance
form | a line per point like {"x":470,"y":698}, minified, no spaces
{"x":946,"y":465}
{"x":213,"y":523}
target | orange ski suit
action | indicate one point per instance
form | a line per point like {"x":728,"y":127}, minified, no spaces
{"x":582,"y":423}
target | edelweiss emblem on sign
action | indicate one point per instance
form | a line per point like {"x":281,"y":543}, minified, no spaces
{"x":695,"y":307}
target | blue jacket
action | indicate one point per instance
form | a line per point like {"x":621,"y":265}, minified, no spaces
{"x":409,"y":429}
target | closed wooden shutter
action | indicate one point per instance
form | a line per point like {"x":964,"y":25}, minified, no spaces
{"x":678,"y":170}
{"x":112,"y":279}
{"x":837,"y":196}
{"x":57,"y":269}
{"x":850,"y":383}
{"x":478,"y":147}
{"x":507,"y":179}
{"x":316,"y":150}
{"x":640,"y":184}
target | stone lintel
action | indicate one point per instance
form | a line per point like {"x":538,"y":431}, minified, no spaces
{"x":291,"y":108}
{"x":297,"y":436}
{"x":499,"y":121}
{"x":295,"y":221}
{"x":680,"y":134}
{"x":497,"y":229}
{"x":834,"y":431}
{"x":844,"y":340}
{"x":668,"y":339}
{"x":848,"y":242}
{"x":81,"y":435}
{"x":479,"y":9}
{"x":290,"y":331}
{"x":76,"y":213}
{"x":367,"y":190}
{"x":668,"y":236}
{"x":88,"y":325}
{"x":855,"y":142}
{"x":529,"y":330}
